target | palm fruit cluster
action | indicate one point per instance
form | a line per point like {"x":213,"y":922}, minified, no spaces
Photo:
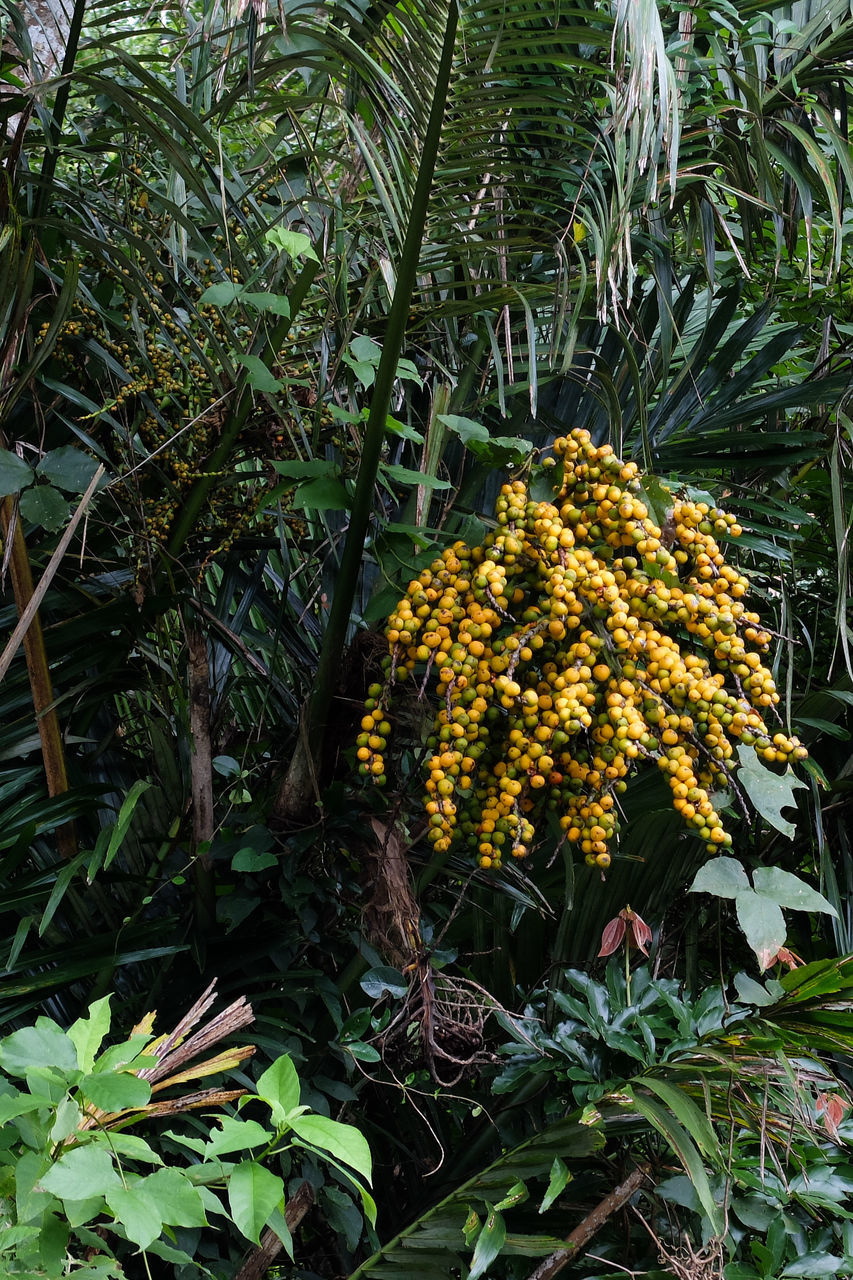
{"x":172,"y":410}
{"x":153,"y":352}
{"x":579,"y":640}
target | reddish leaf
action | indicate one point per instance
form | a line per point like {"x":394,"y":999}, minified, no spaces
{"x":641,"y":932}
{"x":612,"y":936}
{"x":832,"y":1107}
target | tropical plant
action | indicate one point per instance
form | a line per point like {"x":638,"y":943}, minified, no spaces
{"x":735,"y":1092}
{"x":635,"y":213}
{"x":75,"y":1190}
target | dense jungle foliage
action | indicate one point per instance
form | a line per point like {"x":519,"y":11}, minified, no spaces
{"x":425,"y":483}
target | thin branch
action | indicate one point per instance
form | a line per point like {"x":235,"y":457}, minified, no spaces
{"x":591,"y":1224}
{"x":47,"y":577}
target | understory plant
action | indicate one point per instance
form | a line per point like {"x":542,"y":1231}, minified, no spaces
{"x":81,"y":1195}
{"x":667,"y":1133}
{"x":302,"y":280}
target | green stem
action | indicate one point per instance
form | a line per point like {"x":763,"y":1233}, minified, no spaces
{"x":59,"y":108}
{"x":296,"y":789}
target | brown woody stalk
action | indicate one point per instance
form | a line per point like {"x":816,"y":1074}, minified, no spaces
{"x":259,"y":1262}
{"x":29,"y":633}
{"x":593,"y":1222}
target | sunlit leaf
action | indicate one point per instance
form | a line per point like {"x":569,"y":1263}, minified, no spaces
{"x":295,"y":243}
{"x":253,"y":1193}
{"x":789,"y":890}
{"x":763,"y":923}
{"x":723,"y":877}
{"x":770,"y":792}
{"x":15,"y":474}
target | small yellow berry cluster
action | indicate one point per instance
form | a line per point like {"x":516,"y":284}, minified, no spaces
{"x":580,"y":638}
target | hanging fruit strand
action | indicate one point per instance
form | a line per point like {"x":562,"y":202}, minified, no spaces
{"x":577,"y":640}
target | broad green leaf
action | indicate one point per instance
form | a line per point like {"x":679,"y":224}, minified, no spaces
{"x":116,"y":1090}
{"x":679,"y":1190}
{"x":53,"y":1244}
{"x":559,"y":1178}
{"x":54,"y":1082}
{"x":68,"y":1117}
{"x":129,"y":1052}
{"x":305,"y":468}
{"x":220,"y":294}
{"x":769,"y":792}
{"x":236,"y":1135}
{"x":43,"y":1044}
{"x":68,"y":468}
{"x":30,"y":1200}
{"x":226,"y":766}
{"x":752,"y":992}
{"x":15,"y":474}
{"x":408,"y":371}
{"x":137,"y":1212}
{"x":364,"y":371}
{"x":18,"y":1104}
{"x":295,"y":243}
{"x":381,"y":979}
{"x":194,"y":1144}
{"x":45,"y":506}
{"x":129,"y":1144}
{"x":352,"y":419}
{"x":279,"y":1087}
{"x":87,"y":1034}
{"x":178,"y":1201}
{"x":253,"y":1194}
{"x":250,"y":859}
{"x":343,"y":1141}
{"x":343,"y":1215}
{"x":325,"y":494}
{"x":815,"y":1264}
{"x":658,"y":498}
{"x":119,"y":831}
{"x":790,"y":891}
{"x":465,"y":428}
{"x":404,"y":475}
{"x":402,"y":429}
{"x":81,"y":1173}
{"x":763,"y":923}
{"x":13,"y":1236}
{"x":723,"y":877}
{"x":501,"y":451}
{"x":259,"y":376}
{"x":79,"y":1211}
{"x":489,"y":1244}
{"x":355,"y":1025}
{"x":276,"y":303}
{"x":517,"y":1194}
{"x":363,"y":356}
{"x":364,"y":1052}
{"x":366,"y":350}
